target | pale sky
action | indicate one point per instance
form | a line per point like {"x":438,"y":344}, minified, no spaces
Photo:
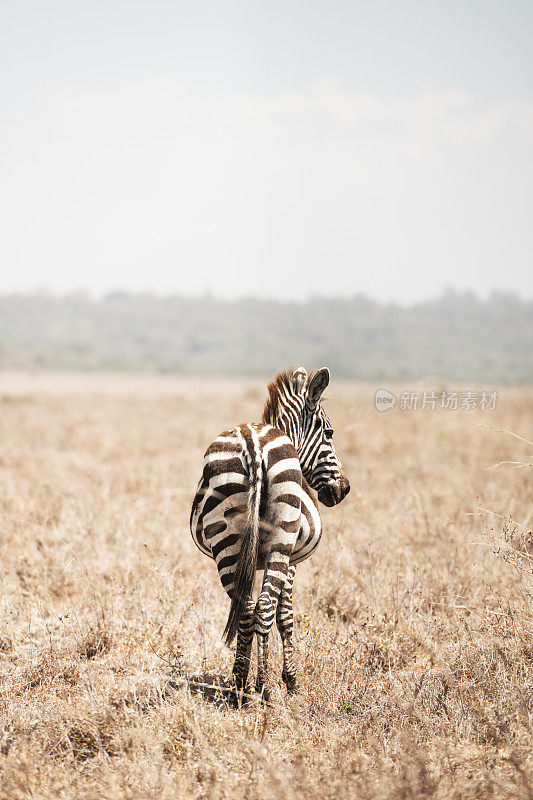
{"x":282,"y":149}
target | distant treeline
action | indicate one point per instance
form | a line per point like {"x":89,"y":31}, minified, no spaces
{"x":457,"y":337}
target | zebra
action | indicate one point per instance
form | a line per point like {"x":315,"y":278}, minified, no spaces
{"x":255,"y":509}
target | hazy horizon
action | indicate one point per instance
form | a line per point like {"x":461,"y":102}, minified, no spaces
{"x":115,"y":292}
{"x":457,"y":337}
{"x":269,"y":151}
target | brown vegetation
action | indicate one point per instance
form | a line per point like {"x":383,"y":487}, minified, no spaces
{"x":414,"y":619}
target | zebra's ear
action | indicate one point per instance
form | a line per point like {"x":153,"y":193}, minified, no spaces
{"x":317,"y":385}
{"x":300,"y":379}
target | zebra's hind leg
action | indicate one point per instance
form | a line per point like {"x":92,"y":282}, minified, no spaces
{"x":276,"y":567}
{"x":285,"y":623}
{"x":245,"y":636}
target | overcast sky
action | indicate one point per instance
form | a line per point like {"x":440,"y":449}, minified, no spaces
{"x":274,"y":148}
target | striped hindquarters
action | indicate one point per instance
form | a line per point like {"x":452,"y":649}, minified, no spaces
{"x":220,"y":511}
{"x":222,"y":495}
{"x":310,"y":526}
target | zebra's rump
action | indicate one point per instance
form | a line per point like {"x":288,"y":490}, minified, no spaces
{"x":289,"y":518}
{"x":310,"y":526}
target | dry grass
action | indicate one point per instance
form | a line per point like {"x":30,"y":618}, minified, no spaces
{"x":414,"y":619}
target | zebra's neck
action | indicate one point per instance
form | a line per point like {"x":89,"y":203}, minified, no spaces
{"x":291,"y":427}
{"x":284,"y":408}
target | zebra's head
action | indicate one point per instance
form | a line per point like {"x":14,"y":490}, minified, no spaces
{"x":294,"y":406}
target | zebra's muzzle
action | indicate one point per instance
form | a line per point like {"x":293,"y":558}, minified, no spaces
{"x":332,"y":493}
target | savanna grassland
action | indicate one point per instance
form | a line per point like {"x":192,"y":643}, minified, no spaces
{"x":414,"y":617}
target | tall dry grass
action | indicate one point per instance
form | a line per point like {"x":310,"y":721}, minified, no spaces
{"x":414,"y":618}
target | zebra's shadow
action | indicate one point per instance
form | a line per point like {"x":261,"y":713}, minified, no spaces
{"x":210,"y":686}
{"x":214,"y":688}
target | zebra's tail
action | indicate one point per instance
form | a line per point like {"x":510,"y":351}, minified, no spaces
{"x":246,"y":565}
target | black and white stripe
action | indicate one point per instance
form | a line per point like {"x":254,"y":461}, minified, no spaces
{"x":254,"y":509}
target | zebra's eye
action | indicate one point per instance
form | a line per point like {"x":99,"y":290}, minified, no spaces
{"x":328,"y":433}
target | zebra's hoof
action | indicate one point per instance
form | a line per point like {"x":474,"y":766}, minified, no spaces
{"x":237,"y":698}
{"x":264,"y":692}
{"x":290,"y":682}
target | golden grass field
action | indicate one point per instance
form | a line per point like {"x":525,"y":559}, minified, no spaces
{"x":414,"y":616}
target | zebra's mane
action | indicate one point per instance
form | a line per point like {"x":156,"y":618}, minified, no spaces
{"x":285,"y":379}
